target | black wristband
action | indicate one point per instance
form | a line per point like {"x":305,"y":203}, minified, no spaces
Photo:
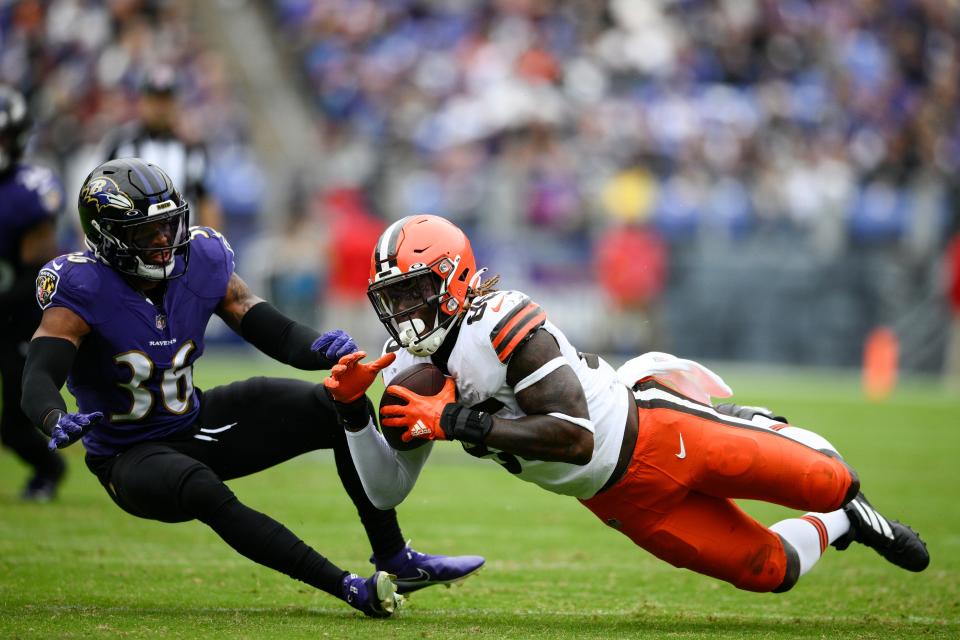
{"x":281,"y":338}
{"x":48,"y":362}
{"x":465,"y":424}
{"x":50,"y":420}
{"x":352,"y":416}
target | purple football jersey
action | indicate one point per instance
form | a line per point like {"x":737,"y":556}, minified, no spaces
{"x":28,"y":195}
{"x":136,"y":366}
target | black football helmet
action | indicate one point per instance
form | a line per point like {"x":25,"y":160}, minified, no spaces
{"x":14,"y":126}
{"x":135,"y":220}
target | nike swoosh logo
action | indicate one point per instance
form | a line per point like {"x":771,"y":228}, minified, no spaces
{"x":219,"y":430}
{"x":683,"y":450}
{"x":422,"y":576}
{"x":496,"y":309}
{"x":56,"y":267}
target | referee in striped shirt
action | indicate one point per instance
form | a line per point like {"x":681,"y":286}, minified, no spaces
{"x":154,"y":139}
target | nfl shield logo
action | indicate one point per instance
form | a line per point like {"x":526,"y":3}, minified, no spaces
{"x":161,"y":322}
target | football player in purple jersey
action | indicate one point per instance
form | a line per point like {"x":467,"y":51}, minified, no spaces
{"x":123,"y":323}
{"x":30,"y":199}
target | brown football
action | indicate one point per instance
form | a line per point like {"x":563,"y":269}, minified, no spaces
{"x":424,"y":379}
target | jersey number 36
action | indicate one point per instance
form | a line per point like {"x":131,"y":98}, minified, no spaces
{"x":176,"y":383}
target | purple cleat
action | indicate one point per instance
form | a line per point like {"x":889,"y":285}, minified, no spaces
{"x":415,"y":570}
{"x":376,"y":596}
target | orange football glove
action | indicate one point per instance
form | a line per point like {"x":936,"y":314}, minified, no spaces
{"x":421,"y":415}
{"x":349,"y":378}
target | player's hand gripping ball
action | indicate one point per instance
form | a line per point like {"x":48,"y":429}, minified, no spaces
{"x":424,"y":379}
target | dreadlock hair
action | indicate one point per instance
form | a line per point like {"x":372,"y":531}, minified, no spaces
{"x":482,"y":289}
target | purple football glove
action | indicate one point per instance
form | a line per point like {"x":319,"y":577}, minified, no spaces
{"x":335,"y":344}
{"x":71,"y":427}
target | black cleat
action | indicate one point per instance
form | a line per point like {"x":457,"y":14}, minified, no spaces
{"x":42,"y":487}
{"x":893,"y":540}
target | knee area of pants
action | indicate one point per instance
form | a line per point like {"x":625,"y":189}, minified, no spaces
{"x":823,"y":486}
{"x":854,"y":485}
{"x":202,"y":492}
{"x":854,"y":488}
{"x":769,"y":568}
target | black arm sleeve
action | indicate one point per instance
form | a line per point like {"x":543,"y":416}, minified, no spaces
{"x":48,"y":362}
{"x":281,"y":338}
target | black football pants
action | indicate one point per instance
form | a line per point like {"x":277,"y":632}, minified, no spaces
{"x":245,"y":427}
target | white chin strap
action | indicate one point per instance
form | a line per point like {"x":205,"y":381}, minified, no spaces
{"x":408,"y":331}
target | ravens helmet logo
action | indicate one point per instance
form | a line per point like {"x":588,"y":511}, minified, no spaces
{"x":103,"y":192}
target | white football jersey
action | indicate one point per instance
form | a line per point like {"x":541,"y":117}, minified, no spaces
{"x":493,"y":327}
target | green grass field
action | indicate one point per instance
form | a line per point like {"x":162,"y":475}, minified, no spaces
{"x":80,"y":567}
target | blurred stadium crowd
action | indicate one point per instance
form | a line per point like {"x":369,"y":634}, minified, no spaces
{"x":82,"y":64}
{"x":788,"y":171}
{"x":729,"y":116}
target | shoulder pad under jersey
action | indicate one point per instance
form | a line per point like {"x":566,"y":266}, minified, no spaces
{"x":211,"y":262}
{"x":505,"y":319}
{"x":73,"y":281}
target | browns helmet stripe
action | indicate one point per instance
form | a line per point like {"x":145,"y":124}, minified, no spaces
{"x":385,"y":253}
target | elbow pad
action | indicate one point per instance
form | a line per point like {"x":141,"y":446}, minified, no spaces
{"x":48,"y":363}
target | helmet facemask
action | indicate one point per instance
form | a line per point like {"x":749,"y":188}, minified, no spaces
{"x":416,"y":307}
{"x":146,"y":248}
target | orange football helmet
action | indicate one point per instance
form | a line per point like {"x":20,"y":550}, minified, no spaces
{"x":421,"y":273}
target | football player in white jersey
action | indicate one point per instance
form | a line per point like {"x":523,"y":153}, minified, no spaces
{"x":642,"y":447}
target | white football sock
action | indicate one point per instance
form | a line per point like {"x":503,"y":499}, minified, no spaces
{"x":811,"y":533}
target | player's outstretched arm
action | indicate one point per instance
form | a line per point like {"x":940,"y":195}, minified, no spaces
{"x":387,"y":475}
{"x":278,"y":336}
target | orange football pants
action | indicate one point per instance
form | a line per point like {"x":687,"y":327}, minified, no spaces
{"x":675,"y":499}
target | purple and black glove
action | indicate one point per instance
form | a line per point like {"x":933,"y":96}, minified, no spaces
{"x":71,"y":427}
{"x":333,"y":345}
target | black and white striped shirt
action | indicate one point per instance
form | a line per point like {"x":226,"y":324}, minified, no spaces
{"x":185,"y":163}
